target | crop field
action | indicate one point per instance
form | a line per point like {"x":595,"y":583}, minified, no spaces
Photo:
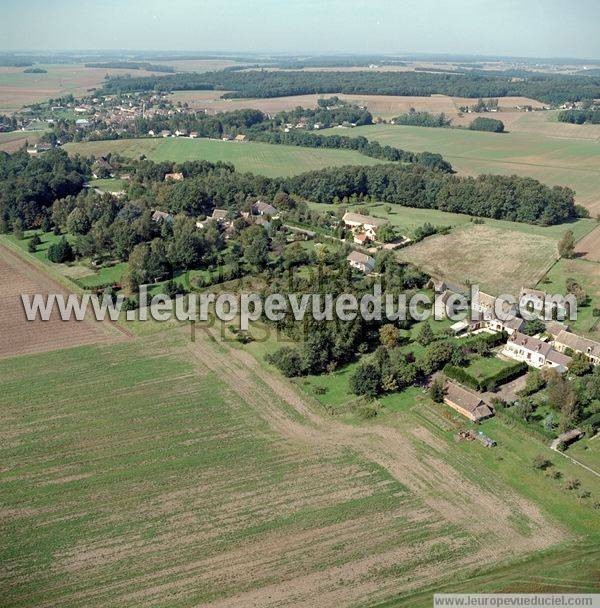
{"x":552,"y":160}
{"x":498,"y":261}
{"x":20,"y":336}
{"x":18,"y":89}
{"x":167,"y":472}
{"x":265,"y":159}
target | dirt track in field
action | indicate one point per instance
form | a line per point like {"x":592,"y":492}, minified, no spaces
{"x":448,"y":497}
{"x":589,"y":246}
{"x":19,"y":336}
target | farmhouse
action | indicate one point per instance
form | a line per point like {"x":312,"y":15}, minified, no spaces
{"x":240,"y":137}
{"x":161,"y":216}
{"x":363,"y":223}
{"x":441,"y":306}
{"x":466,"y":403}
{"x":173,"y":177}
{"x":566,"y":340}
{"x":261,"y":208}
{"x":360,"y":261}
{"x":534,"y":352}
{"x":361,"y":239}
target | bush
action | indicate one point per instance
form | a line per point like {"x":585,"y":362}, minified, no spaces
{"x":34,"y":243}
{"x":541,"y":462}
{"x":288,"y":361}
{"x":487,"y":124}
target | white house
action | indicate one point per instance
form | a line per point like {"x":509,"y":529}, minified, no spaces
{"x":366,"y":224}
{"x":535,"y":352}
{"x":360,"y":261}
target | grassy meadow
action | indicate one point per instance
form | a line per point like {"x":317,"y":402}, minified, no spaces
{"x":552,"y":160}
{"x":264,"y":159}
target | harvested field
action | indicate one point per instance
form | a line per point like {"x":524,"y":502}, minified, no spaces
{"x":20,"y":336}
{"x":589,"y":246}
{"x":215,"y":482}
{"x":386,"y":106}
{"x":18,"y":89}
{"x":499,"y":261}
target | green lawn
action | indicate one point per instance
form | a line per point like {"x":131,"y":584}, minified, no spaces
{"x":265,"y":159}
{"x":111,"y":184}
{"x":552,"y":160}
{"x":587,"y":274}
{"x":484,"y":367}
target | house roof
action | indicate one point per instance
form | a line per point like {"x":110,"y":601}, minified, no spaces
{"x":361,"y":258}
{"x":468,"y":401}
{"x":577,"y":343}
{"x":361,"y":237}
{"x":365,"y":220}
{"x":554,"y":328}
{"x":262,"y":207}
{"x":161,"y":215}
{"x":531,"y":344}
{"x":515,"y":323}
{"x":536,"y":293}
{"x":559,"y":358}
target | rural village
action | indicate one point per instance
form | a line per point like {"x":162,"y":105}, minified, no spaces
{"x":300,"y":461}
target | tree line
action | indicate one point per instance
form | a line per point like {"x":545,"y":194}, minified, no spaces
{"x":554,"y":89}
{"x":580,"y":117}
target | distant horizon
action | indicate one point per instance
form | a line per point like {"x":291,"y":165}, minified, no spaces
{"x":400,"y":55}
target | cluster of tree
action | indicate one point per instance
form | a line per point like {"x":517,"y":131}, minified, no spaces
{"x":501,"y":197}
{"x":132,"y":65}
{"x":361,"y":144}
{"x":580,"y":117}
{"x":30,"y":184}
{"x":35,"y":71}
{"x":554,"y":89}
{"x":423,"y":119}
{"x":487,"y":124}
{"x":329,"y":112}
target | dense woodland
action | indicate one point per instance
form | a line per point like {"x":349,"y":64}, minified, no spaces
{"x":422,"y":119}
{"x":552,"y":89}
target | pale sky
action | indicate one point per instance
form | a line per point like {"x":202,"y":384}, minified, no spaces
{"x":539,"y":28}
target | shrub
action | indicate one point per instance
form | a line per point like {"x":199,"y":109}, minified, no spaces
{"x":572,"y":484}
{"x":34,"y":243}
{"x":541,"y":462}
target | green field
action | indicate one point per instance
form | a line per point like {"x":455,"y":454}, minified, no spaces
{"x":265,"y":159}
{"x":552,"y":160}
{"x":587,"y":274}
{"x":407,"y":219}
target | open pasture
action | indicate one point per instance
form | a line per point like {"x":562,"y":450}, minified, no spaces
{"x":499,"y":261}
{"x":265,"y":159}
